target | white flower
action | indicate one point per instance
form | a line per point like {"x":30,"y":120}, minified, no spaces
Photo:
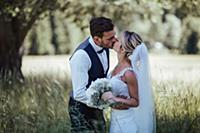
{"x":96,"y":90}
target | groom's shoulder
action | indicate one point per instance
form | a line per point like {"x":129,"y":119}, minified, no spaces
{"x":83,"y":44}
{"x":81,"y":49}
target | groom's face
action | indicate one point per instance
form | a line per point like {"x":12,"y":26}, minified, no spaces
{"x":108,"y":39}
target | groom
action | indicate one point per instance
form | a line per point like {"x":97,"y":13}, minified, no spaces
{"x":90,"y":61}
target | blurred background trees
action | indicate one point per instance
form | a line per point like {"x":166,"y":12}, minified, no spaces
{"x":169,"y":26}
{"x":42,"y":27}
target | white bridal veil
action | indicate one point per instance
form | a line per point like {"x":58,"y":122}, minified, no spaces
{"x":145,"y":112}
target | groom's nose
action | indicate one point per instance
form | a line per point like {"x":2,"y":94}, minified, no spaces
{"x":114,"y":39}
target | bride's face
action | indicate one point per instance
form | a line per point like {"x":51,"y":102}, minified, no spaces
{"x":117,"y":46}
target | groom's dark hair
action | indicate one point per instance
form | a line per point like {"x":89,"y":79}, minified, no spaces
{"x":99,"y":25}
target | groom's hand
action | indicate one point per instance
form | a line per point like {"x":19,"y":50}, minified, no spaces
{"x":121,"y":107}
{"x":122,"y":96}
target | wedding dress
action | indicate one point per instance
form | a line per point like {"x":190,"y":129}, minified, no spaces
{"x":139,"y":119}
{"x":122,"y":121}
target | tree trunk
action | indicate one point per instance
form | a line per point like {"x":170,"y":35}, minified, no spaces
{"x":10,"y":54}
{"x":54,"y":38}
{"x":13,"y":30}
{"x":34,"y":42}
{"x":192,"y":42}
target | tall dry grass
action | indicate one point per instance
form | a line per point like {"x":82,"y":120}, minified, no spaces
{"x":40,"y":104}
{"x":37,"y":106}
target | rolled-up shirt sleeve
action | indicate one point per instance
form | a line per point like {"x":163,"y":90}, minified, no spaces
{"x":80,"y":63}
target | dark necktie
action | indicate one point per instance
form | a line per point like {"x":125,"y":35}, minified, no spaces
{"x":101,"y":51}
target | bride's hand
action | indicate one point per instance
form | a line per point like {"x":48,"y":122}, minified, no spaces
{"x":107,"y":95}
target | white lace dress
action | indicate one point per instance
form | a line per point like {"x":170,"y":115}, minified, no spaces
{"x":122,"y":121}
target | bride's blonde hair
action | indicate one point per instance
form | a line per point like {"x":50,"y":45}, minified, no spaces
{"x":129,"y":41}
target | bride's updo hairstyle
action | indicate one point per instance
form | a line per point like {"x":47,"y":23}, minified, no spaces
{"x":129,"y":41}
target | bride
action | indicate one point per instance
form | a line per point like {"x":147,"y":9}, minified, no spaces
{"x":130,"y":80}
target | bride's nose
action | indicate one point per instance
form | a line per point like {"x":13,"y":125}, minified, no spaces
{"x":116,"y":46}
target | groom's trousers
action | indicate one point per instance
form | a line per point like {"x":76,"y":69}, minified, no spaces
{"x":85,"y":119}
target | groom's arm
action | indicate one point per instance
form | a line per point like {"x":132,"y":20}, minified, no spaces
{"x":120,"y":106}
{"x":80,"y":64}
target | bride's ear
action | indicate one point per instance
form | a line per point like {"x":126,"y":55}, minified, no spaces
{"x":122,"y":49}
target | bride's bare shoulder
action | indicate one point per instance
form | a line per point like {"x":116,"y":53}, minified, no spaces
{"x":129,"y":75}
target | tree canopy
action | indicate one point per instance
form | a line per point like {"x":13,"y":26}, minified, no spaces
{"x":17,"y":18}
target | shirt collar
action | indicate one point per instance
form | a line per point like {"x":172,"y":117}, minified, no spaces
{"x":96,"y":47}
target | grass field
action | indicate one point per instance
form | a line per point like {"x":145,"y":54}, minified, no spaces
{"x":40,"y":104}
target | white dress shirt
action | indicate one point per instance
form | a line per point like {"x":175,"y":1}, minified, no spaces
{"x":80,"y":63}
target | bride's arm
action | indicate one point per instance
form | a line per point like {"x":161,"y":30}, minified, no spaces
{"x":131,"y":81}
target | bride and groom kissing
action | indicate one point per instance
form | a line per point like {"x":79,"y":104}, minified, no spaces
{"x":130,"y":81}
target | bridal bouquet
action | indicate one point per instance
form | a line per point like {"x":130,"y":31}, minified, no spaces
{"x":99,"y":94}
